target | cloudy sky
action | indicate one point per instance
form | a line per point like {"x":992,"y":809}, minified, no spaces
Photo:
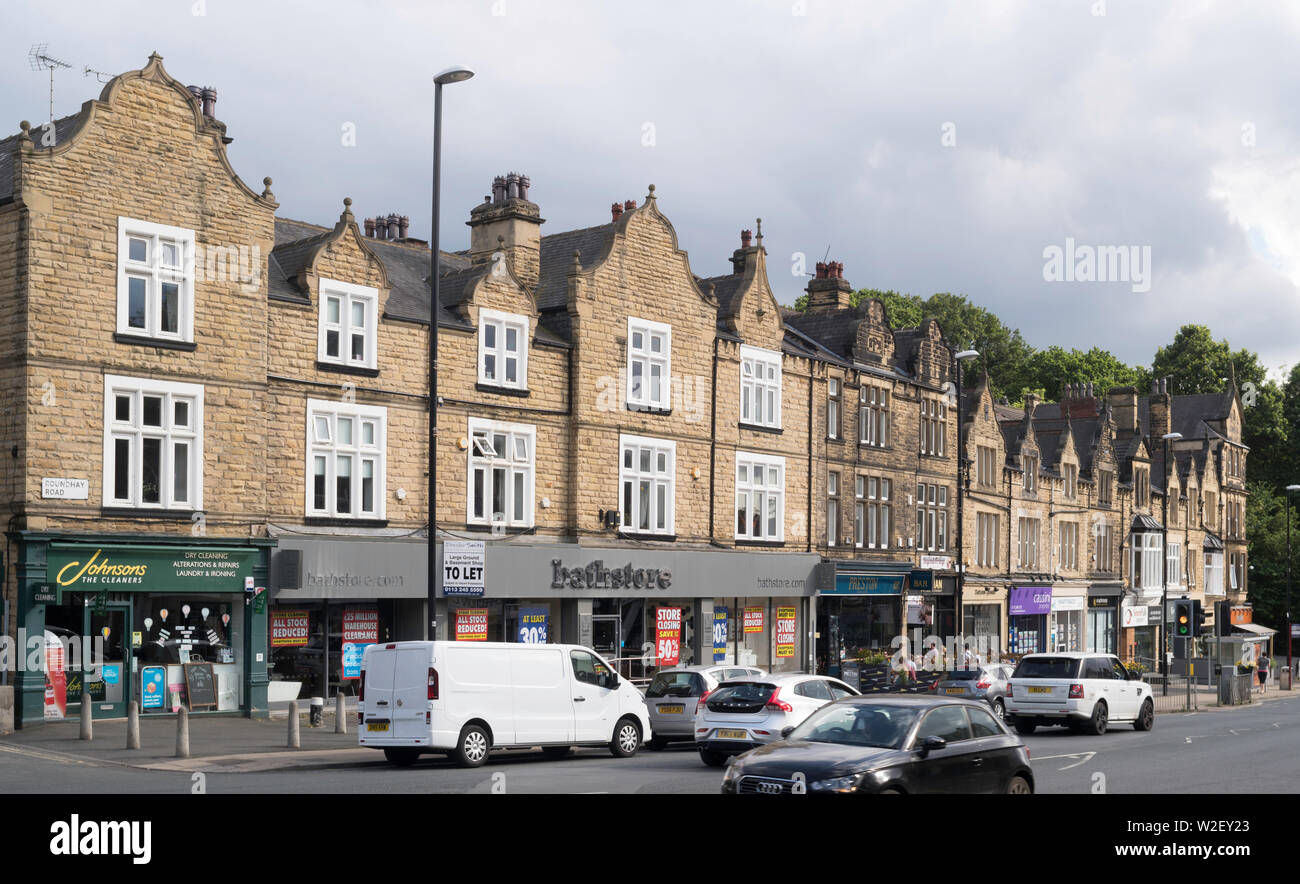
{"x":929,"y":146}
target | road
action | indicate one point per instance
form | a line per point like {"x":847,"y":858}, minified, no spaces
{"x":1239,"y":751}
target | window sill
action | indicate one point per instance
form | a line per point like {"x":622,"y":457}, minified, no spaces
{"x":160,"y":343}
{"x":131,"y":512}
{"x":758,"y":428}
{"x":647,"y":409}
{"x":873,"y":445}
{"x":347,"y":369}
{"x":507,"y":531}
{"x":771,"y":544}
{"x":521,"y":392}
{"x":659,"y":538}
{"x":329,"y":522}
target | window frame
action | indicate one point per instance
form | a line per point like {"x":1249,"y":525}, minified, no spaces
{"x":985,"y":472}
{"x":348,"y":294}
{"x":135,"y":432}
{"x":510,"y":464}
{"x":357,"y":450}
{"x":873,"y":415}
{"x":834,"y":400}
{"x":649,"y":328}
{"x":933,"y":427}
{"x":749,"y":460}
{"x":630,"y":522}
{"x":833,"y":492}
{"x":501,"y":322}
{"x":156,"y":275}
{"x":768,"y":359}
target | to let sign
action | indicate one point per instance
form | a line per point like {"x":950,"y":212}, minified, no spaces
{"x":463,"y":567}
{"x":668,"y":622}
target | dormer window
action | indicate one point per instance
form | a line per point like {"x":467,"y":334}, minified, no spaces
{"x":503,"y":349}
{"x":348,"y":319}
{"x":760,"y":387}
{"x":155,"y":281}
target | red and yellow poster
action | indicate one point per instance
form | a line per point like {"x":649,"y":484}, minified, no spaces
{"x":668,"y":633}
{"x":471,"y":625}
{"x":753,"y":620}
{"x":360,"y":625}
{"x":785,"y":622}
{"x":289,"y":628}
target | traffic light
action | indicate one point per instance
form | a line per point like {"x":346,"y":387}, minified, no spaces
{"x":1184,"y":618}
{"x":1199,"y":617}
{"x":1222,"y":618}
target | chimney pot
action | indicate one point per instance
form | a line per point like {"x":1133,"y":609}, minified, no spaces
{"x":370,"y":227}
{"x":209,"y":102}
{"x":616,"y":209}
{"x":524,"y":183}
{"x":403,"y":225}
{"x":512,"y":186}
{"x":745,"y":238}
{"x":629,"y":205}
{"x":821,"y":271}
{"x":393,"y":224}
{"x":839,"y":269}
{"x":498,"y":190}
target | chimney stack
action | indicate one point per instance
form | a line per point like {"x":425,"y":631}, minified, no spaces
{"x":1077,"y":401}
{"x":616,"y":210}
{"x":209,"y":102}
{"x":1158,"y":408}
{"x":509,"y":222}
{"x":828,"y":290}
{"x":1123,"y":404}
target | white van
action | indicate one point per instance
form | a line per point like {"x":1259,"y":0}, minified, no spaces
{"x":467,"y":698}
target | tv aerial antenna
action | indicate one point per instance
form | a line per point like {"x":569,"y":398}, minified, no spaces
{"x":41,"y":60}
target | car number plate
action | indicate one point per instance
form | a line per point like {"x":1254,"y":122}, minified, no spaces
{"x":1040,"y":690}
{"x":733,"y":735}
{"x":956,"y":690}
{"x":376,"y":728}
{"x":672,"y":710}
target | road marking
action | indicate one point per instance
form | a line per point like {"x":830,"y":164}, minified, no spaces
{"x":1083,"y":757}
{"x":45,"y":756}
{"x":1238,"y":733}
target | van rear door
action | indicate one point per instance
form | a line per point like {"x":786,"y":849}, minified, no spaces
{"x":411,"y":692}
{"x":380,"y":668}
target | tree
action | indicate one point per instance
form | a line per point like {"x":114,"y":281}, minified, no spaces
{"x":904,"y":311}
{"x":1054,"y":367}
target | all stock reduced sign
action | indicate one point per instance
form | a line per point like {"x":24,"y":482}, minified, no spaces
{"x":668,"y":632}
{"x":289,"y":629}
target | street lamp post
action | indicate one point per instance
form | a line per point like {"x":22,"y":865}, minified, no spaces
{"x":1289,"y":490}
{"x":960,"y":623}
{"x":453,"y":74}
{"x":1164,"y":554}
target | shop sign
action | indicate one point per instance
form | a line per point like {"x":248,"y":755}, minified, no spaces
{"x":719,"y":635}
{"x":471,"y":625}
{"x":922,"y":581}
{"x":866,"y":584}
{"x":353,"y":653}
{"x":289,"y":629}
{"x":785,"y":626}
{"x":43,"y":594}
{"x":259,"y":600}
{"x":1240,"y":615}
{"x":1067,"y":603}
{"x":65,"y":489}
{"x":595,"y":575}
{"x":1101,"y":601}
{"x":753,"y":620}
{"x":127,"y":569}
{"x":154,"y":681}
{"x":1134,"y":616}
{"x":361,"y":625}
{"x":668,"y":635}
{"x":532,"y":625}
{"x":936,"y":563}
{"x":1029,"y":600}
{"x":463,"y":567}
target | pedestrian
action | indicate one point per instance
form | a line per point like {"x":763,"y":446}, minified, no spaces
{"x":1263,"y":669}
{"x":968,"y":658}
{"x":931,"y":660}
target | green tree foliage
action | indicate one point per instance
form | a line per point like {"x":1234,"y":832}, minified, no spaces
{"x":1054,"y":367}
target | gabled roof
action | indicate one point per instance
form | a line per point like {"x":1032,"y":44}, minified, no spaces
{"x":833,"y":329}
{"x":62,"y":128}
{"x":556,"y":261}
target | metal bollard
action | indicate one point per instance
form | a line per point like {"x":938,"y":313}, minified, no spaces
{"x":340,"y":714}
{"x":294,"y":740}
{"x":85,"y":717}
{"x":133,"y":725}
{"x":317,"y":715}
{"x":182,"y":733}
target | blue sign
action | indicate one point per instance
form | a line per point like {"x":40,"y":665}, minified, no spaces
{"x":866,"y":584}
{"x":112,"y":674}
{"x":153,"y":681}
{"x":719,"y":635}
{"x":352,"y":654}
{"x":532,"y":625}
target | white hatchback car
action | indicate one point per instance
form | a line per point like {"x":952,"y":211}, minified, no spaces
{"x":744,"y":713}
{"x":1084,"y":691}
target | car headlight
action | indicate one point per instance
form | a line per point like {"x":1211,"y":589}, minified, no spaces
{"x":732,"y":772}
{"x":837,"y":784}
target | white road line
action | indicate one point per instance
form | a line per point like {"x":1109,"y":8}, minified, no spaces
{"x":1083,"y":757}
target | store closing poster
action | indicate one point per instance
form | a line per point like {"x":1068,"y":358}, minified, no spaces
{"x":785,"y":625}
{"x":668,"y":629}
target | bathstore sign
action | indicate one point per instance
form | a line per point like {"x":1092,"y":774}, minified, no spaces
{"x":596,"y":576}
{"x":90,"y":568}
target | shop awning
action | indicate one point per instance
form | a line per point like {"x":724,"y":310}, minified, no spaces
{"x":1255,"y":628}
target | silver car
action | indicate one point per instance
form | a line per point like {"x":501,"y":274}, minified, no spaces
{"x":988,"y":683}
{"x":674,"y":695}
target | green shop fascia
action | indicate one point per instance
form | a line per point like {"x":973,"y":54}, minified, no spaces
{"x":142,"y":618}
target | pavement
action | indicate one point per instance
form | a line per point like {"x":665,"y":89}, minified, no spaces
{"x":218,"y":744}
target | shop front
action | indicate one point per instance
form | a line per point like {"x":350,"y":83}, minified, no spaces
{"x":332,"y":596}
{"x":1067,"y":621}
{"x":1140,"y":629}
{"x":1027,"y":616}
{"x":930,"y":606}
{"x":1103,"y":619}
{"x":982,"y":612}
{"x":645,"y":608}
{"x":860,"y":612}
{"x":168,"y":623}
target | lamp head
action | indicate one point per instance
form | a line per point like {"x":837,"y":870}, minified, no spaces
{"x":454,"y":74}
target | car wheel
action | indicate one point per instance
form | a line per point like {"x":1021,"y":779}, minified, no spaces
{"x":1025,"y":725}
{"x":1019,"y":786}
{"x":556,"y":751}
{"x":712,"y":759}
{"x":1146,"y":718}
{"x":657,"y":743}
{"x":401,"y":757}
{"x":1000,"y":710}
{"x":627,"y":738}
{"x":472,"y":747}
{"x":1097,"y":724}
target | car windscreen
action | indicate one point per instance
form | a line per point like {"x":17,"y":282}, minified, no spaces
{"x":672,"y":684}
{"x":1047,"y":667}
{"x":744,"y":693}
{"x":961,"y":675}
{"x":852,"y":724}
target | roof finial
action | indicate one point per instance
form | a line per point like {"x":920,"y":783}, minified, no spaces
{"x":577,"y":261}
{"x":760,"y":231}
{"x":651,"y":195}
{"x":266,"y":194}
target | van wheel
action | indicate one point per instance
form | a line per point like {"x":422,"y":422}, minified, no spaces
{"x":712,"y":759}
{"x":472,"y":747}
{"x":401,"y":757}
{"x":556,"y":751}
{"x":627,"y":739}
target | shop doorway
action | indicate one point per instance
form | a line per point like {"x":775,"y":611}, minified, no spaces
{"x":606,"y":635}
{"x":108,"y":680}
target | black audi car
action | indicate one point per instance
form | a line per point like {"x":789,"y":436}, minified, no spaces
{"x":888,"y":744}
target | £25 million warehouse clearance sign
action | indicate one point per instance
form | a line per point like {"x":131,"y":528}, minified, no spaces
{"x":83,"y":568}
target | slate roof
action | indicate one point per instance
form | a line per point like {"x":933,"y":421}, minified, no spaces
{"x":725,"y":289}
{"x":63,"y":127}
{"x":1190,"y":413}
{"x":557,"y":260}
{"x":833,"y":329}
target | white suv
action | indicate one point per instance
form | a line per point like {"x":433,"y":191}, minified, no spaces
{"x":1084,"y":691}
